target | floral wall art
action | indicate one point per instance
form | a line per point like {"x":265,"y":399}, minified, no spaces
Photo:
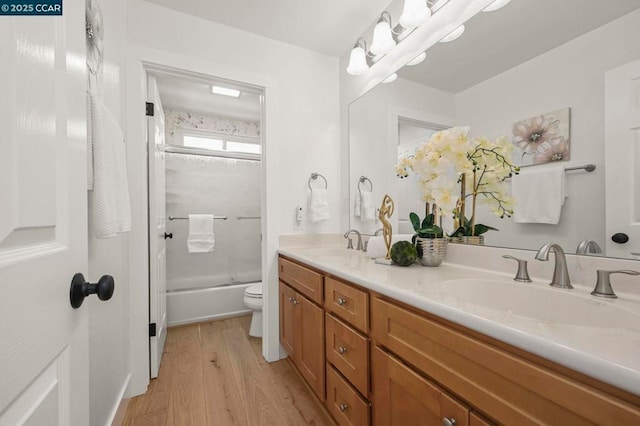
{"x":542,"y":139}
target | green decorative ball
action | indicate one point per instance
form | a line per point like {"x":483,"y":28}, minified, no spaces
{"x":404,"y":253}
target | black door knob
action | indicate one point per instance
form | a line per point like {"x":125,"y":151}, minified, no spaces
{"x":620,"y":238}
{"x":168,"y":235}
{"x":81,"y":289}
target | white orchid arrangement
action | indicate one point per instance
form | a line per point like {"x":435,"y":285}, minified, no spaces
{"x":479,"y":165}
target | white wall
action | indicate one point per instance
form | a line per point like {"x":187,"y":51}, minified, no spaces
{"x":571,"y":75}
{"x":373,"y":136}
{"x":108,"y":321}
{"x":301,"y":127}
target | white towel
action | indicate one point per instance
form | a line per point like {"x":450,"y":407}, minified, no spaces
{"x":368,"y":210}
{"x":376,"y":247}
{"x":357,"y":205}
{"x":539,"y":194}
{"x":201,"y":238}
{"x":318,"y":205}
{"x":106,"y":171}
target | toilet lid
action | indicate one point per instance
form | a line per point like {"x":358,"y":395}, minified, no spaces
{"x":254,"y":290}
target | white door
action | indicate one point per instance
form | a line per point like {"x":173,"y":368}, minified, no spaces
{"x":157,"y":228}
{"x":44,"y":358}
{"x":622,"y":159}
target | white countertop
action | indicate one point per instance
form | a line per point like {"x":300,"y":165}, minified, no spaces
{"x":597,"y":337}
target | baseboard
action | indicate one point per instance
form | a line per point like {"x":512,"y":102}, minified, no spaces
{"x":120,"y":408}
{"x":210,"y":318}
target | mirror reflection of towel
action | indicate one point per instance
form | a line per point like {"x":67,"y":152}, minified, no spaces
{"x":539,"y":194}
{"x":367,"y":208}
{"x":319,"y":206}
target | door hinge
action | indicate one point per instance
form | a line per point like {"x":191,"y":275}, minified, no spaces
{"x":152,"y":329}
{"x":149,"y":108}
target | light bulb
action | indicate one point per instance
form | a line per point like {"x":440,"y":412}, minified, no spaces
{"x":358,"y":61}
{"x":453,"y":35}
{"x":496,"y":5}
{"x":414,"y":13}
{"x":391,"y":78}
{"x":418,"y":59}
{"x":383,"y":40}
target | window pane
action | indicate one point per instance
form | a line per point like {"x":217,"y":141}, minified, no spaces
{"x":206,"y":143}
{"x":249,"y":148}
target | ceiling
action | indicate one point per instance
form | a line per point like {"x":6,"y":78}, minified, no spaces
{"x":193,"y":95}
{"x":497,"y":41}
{"x":329,"y":27}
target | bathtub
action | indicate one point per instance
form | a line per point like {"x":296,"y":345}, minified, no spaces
{"x":205,"y":304}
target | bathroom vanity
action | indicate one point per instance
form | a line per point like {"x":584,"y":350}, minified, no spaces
{"x":389,"y":345}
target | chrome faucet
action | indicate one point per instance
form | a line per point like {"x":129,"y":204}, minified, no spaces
{"x":560,"y":271}
{"x":603,"y":285}
{"x":588,"y":246}
{"x":350,"y":243}
{"x":378,"y":232}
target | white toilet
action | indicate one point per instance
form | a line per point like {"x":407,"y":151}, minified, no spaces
{"x":253,"y":301}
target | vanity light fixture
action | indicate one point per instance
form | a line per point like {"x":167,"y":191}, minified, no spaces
{"x":453,"y":34}
{"x":383,"y":40}
{"x":217,"y":90}
{"x":496,"y":5}
{"x":391,"y":78}
{"x":358,"y":60}
{"x":414,"y":13}
{"x":418,"y":59}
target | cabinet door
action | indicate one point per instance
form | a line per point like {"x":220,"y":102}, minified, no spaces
{"x":309,"y":343}
{"x":401,"y":396}
{"x":287,"y":320}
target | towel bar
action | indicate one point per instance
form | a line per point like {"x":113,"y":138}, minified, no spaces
{"x":364,"y":179}
{"x":315,"y":176}
{"x":185,"y":218}
{"x":587,"y":167}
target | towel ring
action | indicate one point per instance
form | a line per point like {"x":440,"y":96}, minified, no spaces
{"x":364,"y":179}
{"x":315,"y":176}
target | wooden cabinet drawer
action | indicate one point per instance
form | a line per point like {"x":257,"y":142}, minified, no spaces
{"x":348,"y":351}
{"x":348,"y":303}
{"x":403,"y":397}
{"x":343,"y":402}
{"x":508,"y":387}
{"x":306,"y":281}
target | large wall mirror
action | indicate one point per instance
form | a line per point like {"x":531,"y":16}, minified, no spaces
{"x":530,"y":58}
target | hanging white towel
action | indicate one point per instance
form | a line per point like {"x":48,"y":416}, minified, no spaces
{"x":539,"y":194}
{"x":357,"y":205}
{"x":201,"y":238}
{"x":107,"y":171}
{"x":368,"y":209}
{"x":319,"y":206}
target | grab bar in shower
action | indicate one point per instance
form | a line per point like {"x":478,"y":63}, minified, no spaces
{"x":185,"y":218}
{"x":248,"y":217}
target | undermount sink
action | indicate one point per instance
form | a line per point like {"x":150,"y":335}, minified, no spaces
{"x":537,"y":302}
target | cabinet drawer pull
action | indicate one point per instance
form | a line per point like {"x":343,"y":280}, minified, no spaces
{"x":291,"y":299}
{"x":295,"y":302}
{"x":342,"y":349}
{"x":343,"y":407}
{"x":448,"y":421}
{"x":341,"y":301}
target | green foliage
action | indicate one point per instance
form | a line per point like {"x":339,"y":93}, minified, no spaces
{"x":427,"y":228}
{"x":465,"y":229}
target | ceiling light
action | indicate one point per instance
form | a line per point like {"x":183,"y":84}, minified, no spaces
{"x":383,"y":40}
{"x":414,"y":13}
{"x":415,"y":61}
{"x":496,"y":5}
{"x":453,"y":35}
{"x":358,"y":59}
{"x":391,"y":78}
{"x":217,"y":90}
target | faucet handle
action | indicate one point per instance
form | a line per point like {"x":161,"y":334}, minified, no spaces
{"x":350,"y":243}
{"x":603,"y":285}
{"x":522,"y":275}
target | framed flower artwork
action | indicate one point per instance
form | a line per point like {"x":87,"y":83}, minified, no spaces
{"x":542,"y":139}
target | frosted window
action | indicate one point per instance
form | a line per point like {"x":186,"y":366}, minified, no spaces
{"x":248,"y":148}
{"x":206,"y":143}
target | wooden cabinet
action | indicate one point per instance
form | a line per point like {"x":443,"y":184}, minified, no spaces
{"x":403,"y":397}
{"x":347,"y":302}
{"x":348,"y":351}
{"x":345,"y":404}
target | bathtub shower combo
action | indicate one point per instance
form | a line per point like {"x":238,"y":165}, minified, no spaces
{"x":225,"y":282}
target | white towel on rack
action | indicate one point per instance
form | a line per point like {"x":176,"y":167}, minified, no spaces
{"x":318,"y":205}
{"x":539,"y":194}
{"x":357,"y":205}
{"x":368,"y":209}
{"x":106,"y":171}
{"x":201,"y":237}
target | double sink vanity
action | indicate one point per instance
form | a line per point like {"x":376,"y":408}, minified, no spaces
{"x":455,"y":345}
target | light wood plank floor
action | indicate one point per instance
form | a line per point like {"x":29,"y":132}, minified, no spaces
{"x":213,"y":374}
